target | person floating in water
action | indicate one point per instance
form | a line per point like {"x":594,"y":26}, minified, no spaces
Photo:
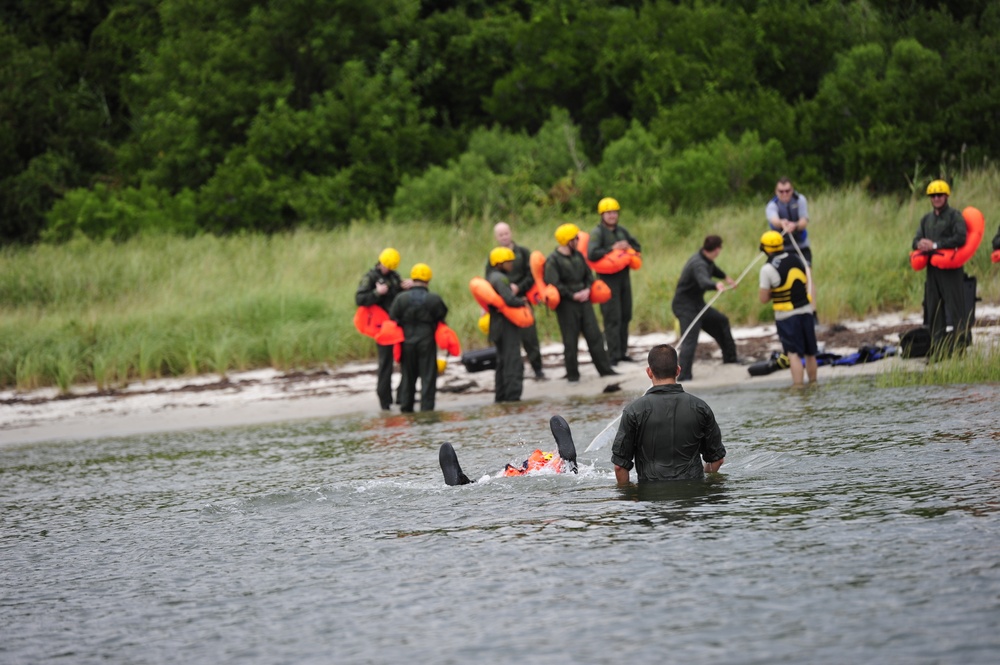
{"x":561,"y":460}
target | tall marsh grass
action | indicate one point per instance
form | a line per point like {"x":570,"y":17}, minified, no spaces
{"x":110,"y":314}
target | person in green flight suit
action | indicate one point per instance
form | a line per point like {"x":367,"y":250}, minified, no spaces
{"x":418,"y":312}
{"x":567,"y":270}
{"x":617,"y":312}
{"x":504,"y":334}
{"x":380,"y":286}
{"x":944,"y":293}
{"x":521,"y":281}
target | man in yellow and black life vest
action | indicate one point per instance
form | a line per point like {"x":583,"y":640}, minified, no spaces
{"x":784,"y":283}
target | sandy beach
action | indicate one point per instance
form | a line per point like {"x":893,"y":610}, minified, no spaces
{"x":265,"y":396}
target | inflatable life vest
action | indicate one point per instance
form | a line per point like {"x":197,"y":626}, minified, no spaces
{"x":949,"y":259}
{"x":547,"y":293}
{"x":487,"y":297}
{"x":536,"y":461}
{"x":369,"y":319}
{"x":391,"y":334}
{"x":447,"y":340}
{"x":600,"y":292}
{"x":614,"y":261}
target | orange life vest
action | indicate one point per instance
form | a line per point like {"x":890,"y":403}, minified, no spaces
{"x":547,"y":293}
{"x":536,"y":461}
{"x":614,"y":261}
{"x":949,"y":259}
{"x":369,"y":319}
{"x":486,"y":296}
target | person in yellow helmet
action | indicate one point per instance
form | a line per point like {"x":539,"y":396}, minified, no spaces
{"x":509,"y":376}
{"x":784,"y":284}
{"x":607,"y":236}
{"x":380,"y":286}
{"x":521,"y":281}
{"x":567,"y":270}
{"x":944,"y":290}
{"x":418,"y":312}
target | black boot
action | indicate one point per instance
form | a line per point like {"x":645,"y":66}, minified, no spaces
{"x":449,"y":466}
{"x":564,"y":440}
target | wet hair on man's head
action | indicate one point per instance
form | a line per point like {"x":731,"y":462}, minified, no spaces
{"x":662,"y":360}
{"x":712,"y":243}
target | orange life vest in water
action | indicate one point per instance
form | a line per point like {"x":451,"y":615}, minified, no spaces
{"x":536,"y":462}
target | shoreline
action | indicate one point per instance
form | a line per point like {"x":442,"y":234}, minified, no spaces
{"x":270,"y":396}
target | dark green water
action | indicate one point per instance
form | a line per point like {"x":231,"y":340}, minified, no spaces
{"x":849,"y":525}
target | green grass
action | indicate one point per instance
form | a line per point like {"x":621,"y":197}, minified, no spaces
{"x":979,"y":364}
{"x":110,"y":314}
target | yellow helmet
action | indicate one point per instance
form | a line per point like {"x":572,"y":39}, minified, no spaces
{"x":772,"y":242}
{"x":566,"y":232}
{"x":607,"y":205}
{"x":938,"y":187}
{"x":421,"y":271}
{"x":500,"y":254}
{"x":389,"y":258}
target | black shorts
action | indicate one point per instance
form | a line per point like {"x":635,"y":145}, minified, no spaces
{"x":798,"y":334}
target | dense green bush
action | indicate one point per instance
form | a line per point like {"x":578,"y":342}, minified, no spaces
{"x":103,"y":213}
{"x":277,"y":115}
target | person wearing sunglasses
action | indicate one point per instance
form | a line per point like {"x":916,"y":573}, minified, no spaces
{"x":788,"y":214}
{"x":944,"y":295}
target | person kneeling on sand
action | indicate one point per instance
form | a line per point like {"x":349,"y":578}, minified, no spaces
{"x":561,"y":460}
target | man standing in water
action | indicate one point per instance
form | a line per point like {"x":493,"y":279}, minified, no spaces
{"x":667,"y":434}
{"x":689,"y":299}
{"x":784,"y":284}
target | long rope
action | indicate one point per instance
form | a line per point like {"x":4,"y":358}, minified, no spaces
{"x":809,"y":278}
{"x":605,"y":435}
{"x":716,"y":297}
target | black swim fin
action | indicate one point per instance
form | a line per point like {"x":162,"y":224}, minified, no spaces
{"x":564,"y":440}
{"x":449,"y":466}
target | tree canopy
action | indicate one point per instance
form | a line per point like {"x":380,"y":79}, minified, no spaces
{"x":124,"y":116}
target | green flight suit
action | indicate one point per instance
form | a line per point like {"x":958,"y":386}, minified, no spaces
{"x":570,"y":274}
{"x":616,"y":312}
{"x":418,"y":312}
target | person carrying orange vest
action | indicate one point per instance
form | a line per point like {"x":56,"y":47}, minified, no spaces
{"x":504,"y":334}
{"x":566,"y":269}
{"x":378,"y":288}
{"x":521,"y":283}
{"x":944,"y":291}
{"x":610,"y":236}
